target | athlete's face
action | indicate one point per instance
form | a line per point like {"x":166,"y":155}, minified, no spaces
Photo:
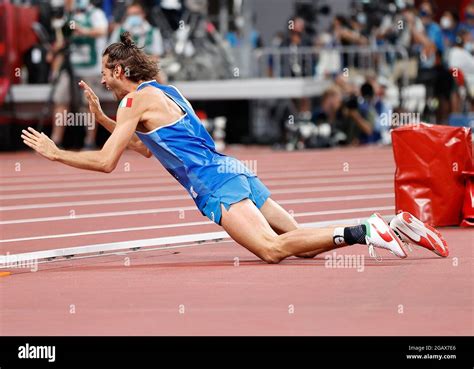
{"x":112,"y":79}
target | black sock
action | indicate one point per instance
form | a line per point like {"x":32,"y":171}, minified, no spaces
{"x":355,"y":235}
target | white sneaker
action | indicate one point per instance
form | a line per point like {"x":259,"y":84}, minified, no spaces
{"x":379,"y":234}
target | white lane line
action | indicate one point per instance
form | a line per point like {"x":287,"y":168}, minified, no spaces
{"x":167,"y":242}
{"x":159,"y":172}
{"x":332,"y":188}
{"x":188,"y":208}
{"x":176,"y":225}
{"x":355,"y":210}
{"x":93,"y":202}
{"x":114,"y":230}
{"x":101,"y":215}
{"x":169,"y":180}
{"x":182,"y":197}
{"x":177,"y":187}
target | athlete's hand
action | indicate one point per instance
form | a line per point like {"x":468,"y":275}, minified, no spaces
{"x":92,"y":100}
{"x":41,"y":143}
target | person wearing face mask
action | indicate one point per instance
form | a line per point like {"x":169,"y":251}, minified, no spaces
{"x":432,"y":29}
{"x":88,"y":25}
{"x":459,"y":57}
{"x":468,"y":23}
{"x":449,"y":27}
{"x":143,"y":33}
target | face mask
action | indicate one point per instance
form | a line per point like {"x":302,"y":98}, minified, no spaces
{"x":423,"y":14}
{"x":469,"y":46}
{"x":362,"y":18}
{"x":446,"y":23}
{"x":82,"y":4}
{"x":239,"y":22}
{"x":134,"y":20}
{"x":470,"y":15}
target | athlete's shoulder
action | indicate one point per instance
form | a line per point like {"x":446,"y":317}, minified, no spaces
{"x":130,"y":100}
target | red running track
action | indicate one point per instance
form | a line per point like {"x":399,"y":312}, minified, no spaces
{"x":217,"y":288}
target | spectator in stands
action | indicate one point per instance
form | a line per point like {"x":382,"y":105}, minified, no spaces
{"x":459,"y":57}
{"x":296,"y":66}
{"x":384,"y":110}
{"x":409,"y":29}
{"x":422,"y":45}
{"x":449,"y":25}
{"x":235,"y":37}
{"x":444,"y":90}
{"x":368,"y":111}
{"x":392,"y":30}
{"x":276,"y":42}
{"x":432,"y":29}
{"x":329,"y":60}
{"x":143,"y":34}
{"x":295,"y":38}
{"x":347,"y":32}
{"x":87,"y":43}
{"x":468,"y":23}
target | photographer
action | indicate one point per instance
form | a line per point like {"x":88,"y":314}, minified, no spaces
{"x":143,"y":33}
{"x":347,"y":123}
{"x":83,"y":38}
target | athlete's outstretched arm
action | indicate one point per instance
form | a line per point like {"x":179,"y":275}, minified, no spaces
{"x":104,"y":160}
{"x":109,"y":124}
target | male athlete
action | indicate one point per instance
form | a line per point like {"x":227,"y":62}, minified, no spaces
{"x":157,"y":120}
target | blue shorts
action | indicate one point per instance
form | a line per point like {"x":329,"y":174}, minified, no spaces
{"x":234,"y":190}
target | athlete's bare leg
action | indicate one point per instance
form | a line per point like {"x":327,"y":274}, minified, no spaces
{"x":282,"y":222}
{"x":248,"y":227}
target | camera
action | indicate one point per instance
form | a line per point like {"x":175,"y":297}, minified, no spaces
{"x":351,"y":102}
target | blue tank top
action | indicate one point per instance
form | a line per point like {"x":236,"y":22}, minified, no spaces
{"x":187,"y":151}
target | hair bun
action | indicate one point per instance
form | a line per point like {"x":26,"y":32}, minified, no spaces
{"x":126,"y":39}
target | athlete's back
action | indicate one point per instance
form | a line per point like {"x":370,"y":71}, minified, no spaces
{"x":187,"y":151}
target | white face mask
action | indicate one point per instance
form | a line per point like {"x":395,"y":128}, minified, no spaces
{"x":82,"y":4}
{"x":469,"y":46}
{"x":446,"y":23}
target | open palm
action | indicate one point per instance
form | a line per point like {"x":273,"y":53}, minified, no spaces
{"x":39,"y":142}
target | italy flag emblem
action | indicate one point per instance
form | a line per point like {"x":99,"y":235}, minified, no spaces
{"x":126,"y":102}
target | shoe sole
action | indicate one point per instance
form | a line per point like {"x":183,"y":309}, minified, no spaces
{"x":418,"y":227}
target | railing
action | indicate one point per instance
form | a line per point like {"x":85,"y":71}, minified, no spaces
{"x":276,"y":62}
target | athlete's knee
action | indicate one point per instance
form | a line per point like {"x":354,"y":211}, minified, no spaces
{"x":272,"y":253}
{"x":271,"y":257}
